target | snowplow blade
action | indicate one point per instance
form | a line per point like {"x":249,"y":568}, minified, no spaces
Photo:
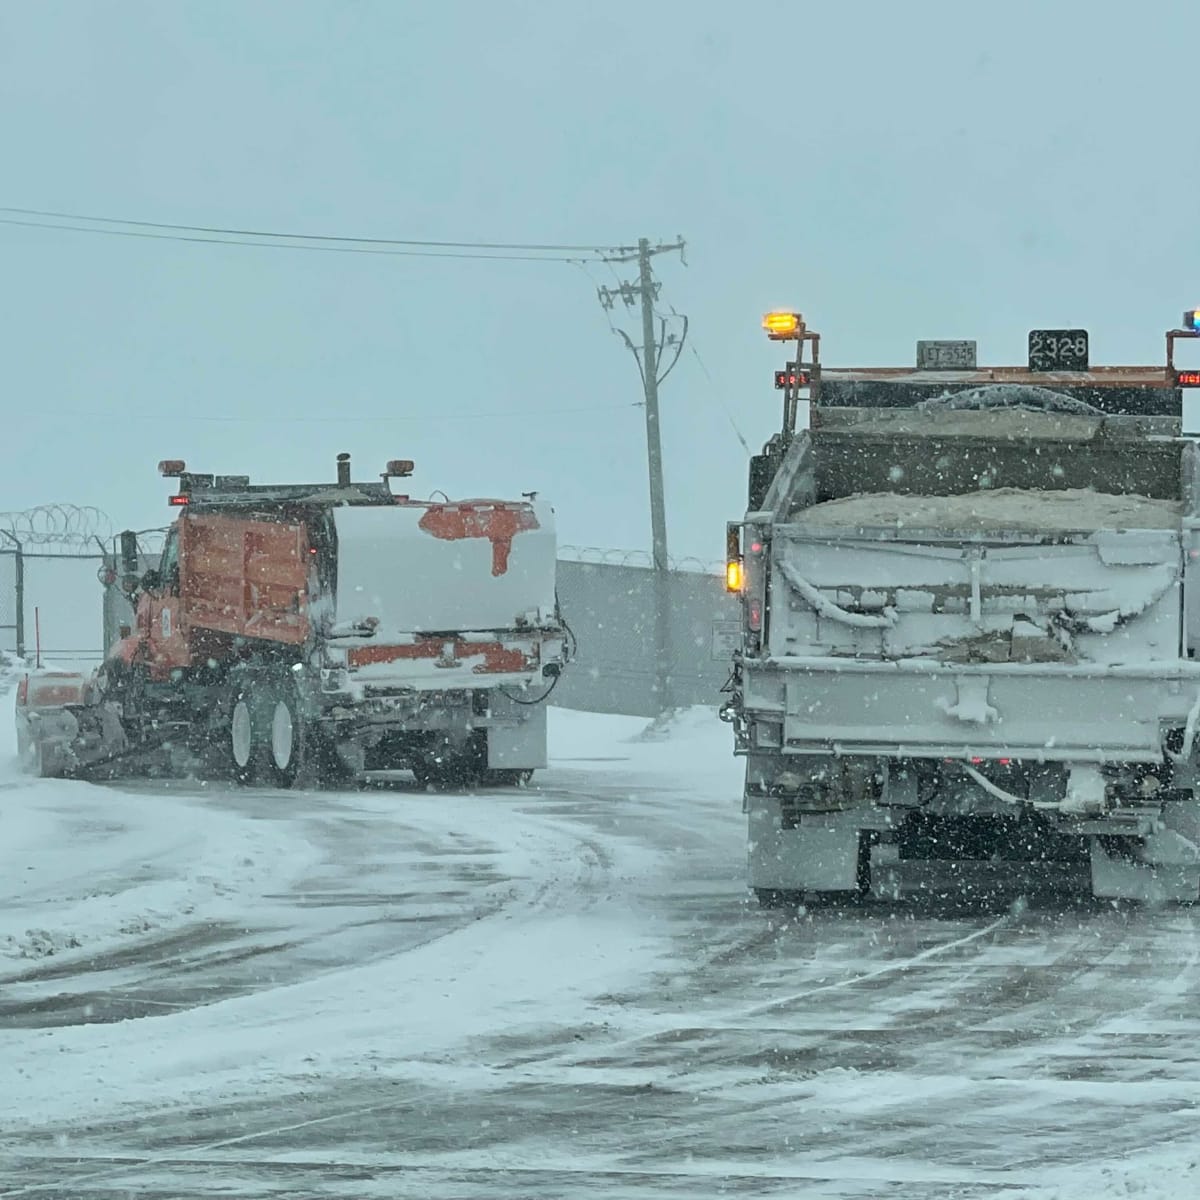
{"x":57,"y":730}
{"x":45,"y":727}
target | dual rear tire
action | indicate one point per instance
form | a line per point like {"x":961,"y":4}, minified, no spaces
{"x":268,"y":735}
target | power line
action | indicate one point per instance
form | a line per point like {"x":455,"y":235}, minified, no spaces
{"x":310,"y":237}
{"x":717,"y":397}
{"x":219,"y":241}
{"x":183,"y":415}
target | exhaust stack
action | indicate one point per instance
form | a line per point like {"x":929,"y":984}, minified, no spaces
{"x":343,"y":470}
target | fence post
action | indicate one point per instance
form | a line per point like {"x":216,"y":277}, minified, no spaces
{"x":19,"y":579}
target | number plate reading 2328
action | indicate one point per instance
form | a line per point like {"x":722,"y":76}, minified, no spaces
{"x":1058,"y":350}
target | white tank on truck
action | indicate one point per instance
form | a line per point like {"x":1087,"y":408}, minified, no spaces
{"x":971,"y":614}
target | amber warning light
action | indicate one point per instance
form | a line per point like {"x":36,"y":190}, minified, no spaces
{"x":783,"y":326}
{"x":734,"y":575}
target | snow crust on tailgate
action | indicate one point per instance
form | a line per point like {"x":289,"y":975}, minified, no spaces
{"x":393,"y":568}
{"x":1014,"y":509}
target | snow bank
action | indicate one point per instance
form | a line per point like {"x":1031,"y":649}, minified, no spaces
{"x":997,"y":509}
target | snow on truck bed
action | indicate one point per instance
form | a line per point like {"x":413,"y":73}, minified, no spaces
{"x":996,"y":509}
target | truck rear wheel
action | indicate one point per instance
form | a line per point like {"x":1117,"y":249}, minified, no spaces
{"x":507,"y":777}
{"x":286,"y":738}
{"x":241,"y":739}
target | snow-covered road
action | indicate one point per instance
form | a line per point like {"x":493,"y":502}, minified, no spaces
{"x":553,"y":992}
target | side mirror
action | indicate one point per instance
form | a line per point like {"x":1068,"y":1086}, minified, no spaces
{"x":129,"y":553}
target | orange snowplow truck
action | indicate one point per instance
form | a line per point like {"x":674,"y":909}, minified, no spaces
{"x":310,"y":632}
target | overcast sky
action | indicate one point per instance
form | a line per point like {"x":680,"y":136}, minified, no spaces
{"x":896,"y":171}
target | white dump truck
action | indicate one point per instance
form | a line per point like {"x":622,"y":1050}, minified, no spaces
{"x":971,"y":604}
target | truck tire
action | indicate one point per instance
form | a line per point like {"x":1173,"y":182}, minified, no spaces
{"x":243,"y":748}
{"x":501,"y":777}
{"x":454,"y":773}
{"x":326,"y":765}
{"x":285,"y":736}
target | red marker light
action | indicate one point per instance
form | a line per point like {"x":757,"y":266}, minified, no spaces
{"x":178,"y":501}
{"x":976,"y":761}
{"x":756,"y":547}
{"x":1189,"y":378}
{"x":1004,"y":762}
{"x":756,"y":616}
{"x":785,"y":379}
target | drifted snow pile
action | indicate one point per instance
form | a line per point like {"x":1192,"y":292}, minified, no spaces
{"x":1007,"y":397}
{"x":995,"y":509}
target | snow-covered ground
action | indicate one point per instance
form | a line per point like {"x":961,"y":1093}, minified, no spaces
{"x":552,"y":992}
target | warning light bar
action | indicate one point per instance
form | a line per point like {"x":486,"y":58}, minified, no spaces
{"x":178,"y":501}
{"x":783,"y":326}
{"x":1191,"y":319}
{"x":786,"y":379}
{"x":1188,"y":378}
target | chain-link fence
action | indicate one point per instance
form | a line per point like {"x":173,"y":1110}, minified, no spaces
{"x":50,"y":604}
{"x":610,"y":606}
{"x":12,"y":632}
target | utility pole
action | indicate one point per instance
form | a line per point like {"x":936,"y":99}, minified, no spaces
{"x":648,"y":357}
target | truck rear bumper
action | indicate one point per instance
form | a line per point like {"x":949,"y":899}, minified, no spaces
{"x":915,"y":708}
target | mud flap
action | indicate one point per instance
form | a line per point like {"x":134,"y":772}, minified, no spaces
{"x":517,"y":741}
{"x":1165,"y":867}
{"x":818,"y":855}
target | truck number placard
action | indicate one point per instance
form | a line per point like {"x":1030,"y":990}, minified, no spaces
{"x":1058,"y":350}
{"x":946,"y":356}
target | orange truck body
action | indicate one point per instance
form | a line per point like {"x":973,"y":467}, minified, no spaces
{"x":244,"y":577}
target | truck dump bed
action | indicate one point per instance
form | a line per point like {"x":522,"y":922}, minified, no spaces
{"x":998,"y":567}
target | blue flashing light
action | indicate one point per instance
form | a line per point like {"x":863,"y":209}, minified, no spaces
{"x":1191,"y":319}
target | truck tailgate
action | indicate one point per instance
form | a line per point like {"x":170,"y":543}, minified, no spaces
{"x":1105,"y":597}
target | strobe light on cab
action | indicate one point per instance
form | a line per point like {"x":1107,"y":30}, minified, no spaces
{"x":1191,"y":320}
{"x":783,"y":326}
